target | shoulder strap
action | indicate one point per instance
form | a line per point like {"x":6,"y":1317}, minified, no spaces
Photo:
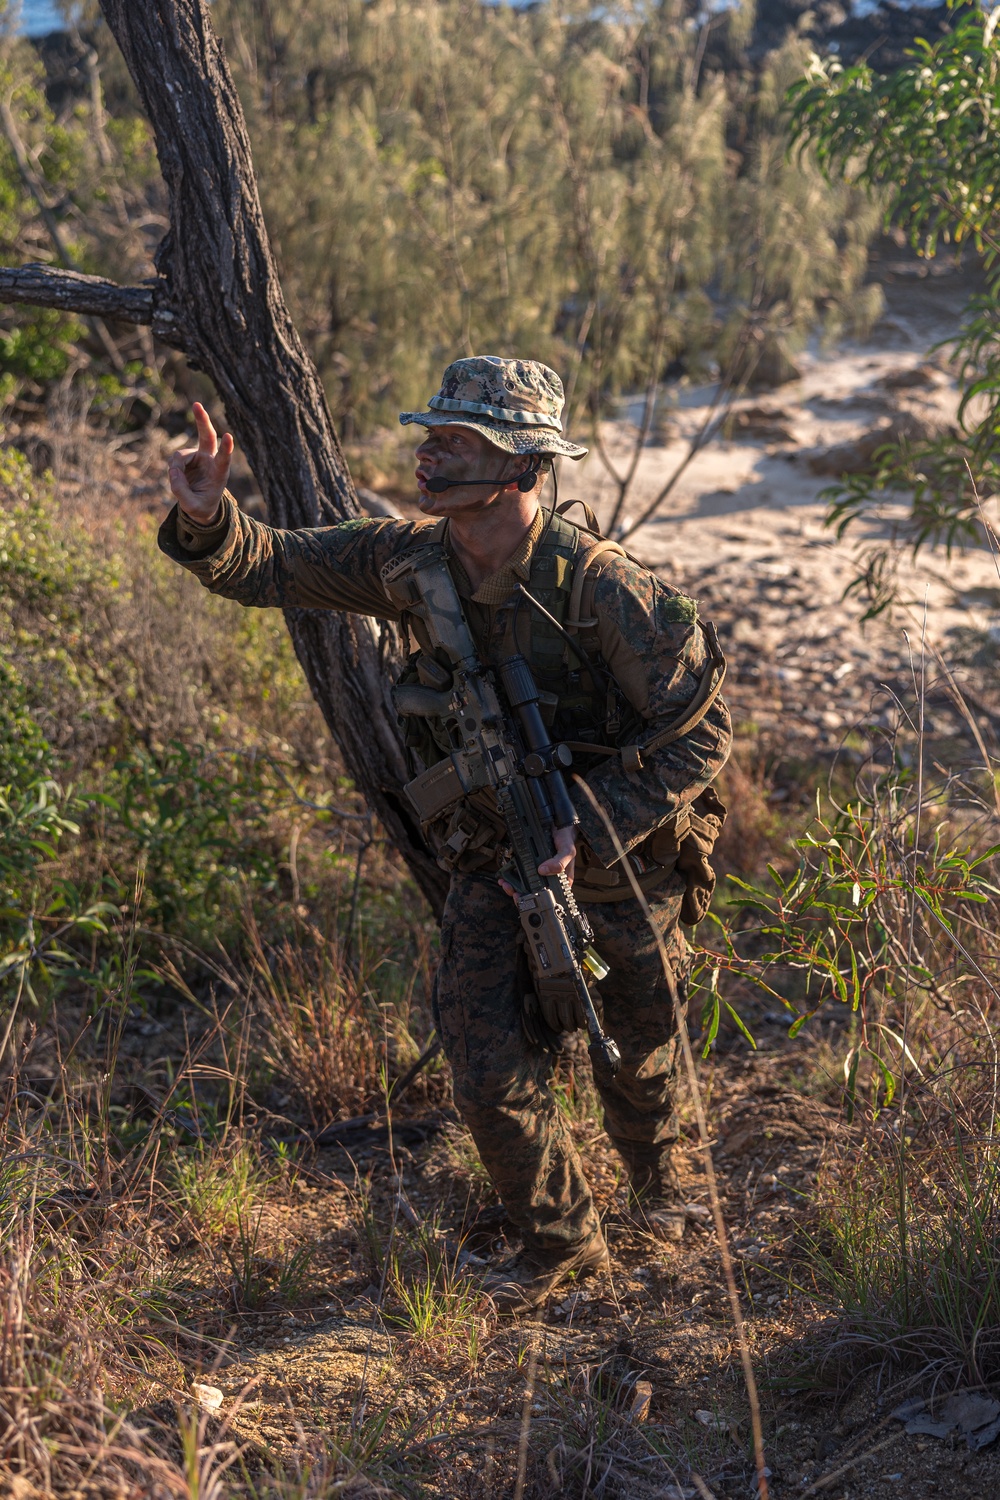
{"x":589,"y":516}
{"x":553,"y":563}
{"x":591,"y":548}
{"x":709,"y":689}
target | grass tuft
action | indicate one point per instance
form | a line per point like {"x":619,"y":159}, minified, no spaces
{"x":909,"y":1251}
{"x":318,"y":1027}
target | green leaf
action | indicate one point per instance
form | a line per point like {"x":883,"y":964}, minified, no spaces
{"x":713,"y":1029}
{"x":741,"y":1025}
{"x":851,"y":1078}
{"x":888,"y":1078}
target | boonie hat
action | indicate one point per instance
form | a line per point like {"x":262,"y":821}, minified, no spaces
{"x":516,"y":404}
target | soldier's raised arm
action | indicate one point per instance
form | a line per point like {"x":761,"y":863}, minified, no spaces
{"x":326,"y":567}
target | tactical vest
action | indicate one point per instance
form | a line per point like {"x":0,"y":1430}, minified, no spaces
{"x":581,"y":708}
{"x":575,"y":706}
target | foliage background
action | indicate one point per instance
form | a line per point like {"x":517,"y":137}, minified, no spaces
{"x":180,"y":858}
{"x":446,"y":178}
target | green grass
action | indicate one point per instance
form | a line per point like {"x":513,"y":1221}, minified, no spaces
{"x":217,"y":1187}
{"x":908,"y":1252}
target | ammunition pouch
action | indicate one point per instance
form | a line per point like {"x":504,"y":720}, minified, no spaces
{"x":471,"y":837}
{"x":682,"y":845}
{"x":705,"y":822}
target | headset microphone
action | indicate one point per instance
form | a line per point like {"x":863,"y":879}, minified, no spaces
{"x":524,"y":482}
{"x":438,"y":486}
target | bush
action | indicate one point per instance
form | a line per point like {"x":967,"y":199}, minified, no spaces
{"x":168,"y":716}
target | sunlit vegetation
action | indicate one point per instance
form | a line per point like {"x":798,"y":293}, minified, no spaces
{"x":209,"y":955}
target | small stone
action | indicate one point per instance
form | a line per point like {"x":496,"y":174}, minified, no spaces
{"x":643,"y":1395}
{"x":208,"y":1397}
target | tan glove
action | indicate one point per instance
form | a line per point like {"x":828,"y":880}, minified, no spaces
{"x":559,"y":1004}
{"x":549,"y":1008}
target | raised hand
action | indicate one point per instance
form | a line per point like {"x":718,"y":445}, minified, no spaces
{"x":198,"y":476}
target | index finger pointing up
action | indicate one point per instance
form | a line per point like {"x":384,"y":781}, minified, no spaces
{"x":208,"y":441}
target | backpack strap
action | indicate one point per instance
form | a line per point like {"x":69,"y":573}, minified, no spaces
{"x":591,"y":548}
{"x":589,"y":516}
{"x":709,"y":689}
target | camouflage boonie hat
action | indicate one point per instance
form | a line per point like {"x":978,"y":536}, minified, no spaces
{"x":516,"y":404}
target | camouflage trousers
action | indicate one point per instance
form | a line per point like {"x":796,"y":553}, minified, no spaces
{"x":502,"y":1082}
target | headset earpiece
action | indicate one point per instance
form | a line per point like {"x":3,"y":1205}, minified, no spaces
{"x":526,"y":481}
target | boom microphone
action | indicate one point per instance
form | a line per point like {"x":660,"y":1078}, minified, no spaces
{"x":524,"y":482}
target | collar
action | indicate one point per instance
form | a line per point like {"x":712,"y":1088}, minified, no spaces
{"x":496,"y":587}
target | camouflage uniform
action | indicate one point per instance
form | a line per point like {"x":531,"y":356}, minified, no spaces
{"x":645,"y":634}
{"x":501,"y":1083}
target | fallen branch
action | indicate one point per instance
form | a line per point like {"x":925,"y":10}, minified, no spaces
{"x":374,"y":1125}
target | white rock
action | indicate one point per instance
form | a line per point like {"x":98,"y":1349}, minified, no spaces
{"x":208,"y":1397}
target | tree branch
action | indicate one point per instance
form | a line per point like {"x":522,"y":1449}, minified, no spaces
{"x":217,"y":298}
{"x":230,"y":311}
{"x":33,"y":184}
{"x":90,"y":296}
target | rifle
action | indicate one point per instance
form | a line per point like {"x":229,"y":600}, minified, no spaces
{"x":516,"y":759}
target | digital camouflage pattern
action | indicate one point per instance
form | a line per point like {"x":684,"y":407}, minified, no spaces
{"x":646,"y":634}
{"x":516,"y":404}
{"x":645,"y":631}
{"x":501,"y":1082}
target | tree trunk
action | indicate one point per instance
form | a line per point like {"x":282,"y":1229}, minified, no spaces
{"x":218,"y":300}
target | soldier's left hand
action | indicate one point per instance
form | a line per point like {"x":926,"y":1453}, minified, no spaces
{"x":563,"y":862}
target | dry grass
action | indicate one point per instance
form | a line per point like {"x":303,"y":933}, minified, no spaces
{"x":908,"y":1240}
{"x":318,"y":1025}
{"x":69,"y":1349}
{"x":151,"y":1234}
{"x":749,"y":835}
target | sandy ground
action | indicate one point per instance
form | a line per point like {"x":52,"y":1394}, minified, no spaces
{"x":744,"y":527}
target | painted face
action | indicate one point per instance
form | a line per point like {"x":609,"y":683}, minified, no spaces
{"x":459,"y":453}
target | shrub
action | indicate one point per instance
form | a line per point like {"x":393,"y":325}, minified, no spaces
{"x":169,"y":711}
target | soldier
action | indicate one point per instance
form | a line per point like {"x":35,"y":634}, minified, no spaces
{"x":490,"y":435}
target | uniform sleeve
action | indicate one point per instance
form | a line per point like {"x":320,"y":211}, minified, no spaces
{"x":329,"y":567}
{"x":650,"y":639}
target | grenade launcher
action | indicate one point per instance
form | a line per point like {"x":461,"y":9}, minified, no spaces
{"x":510,"y":752}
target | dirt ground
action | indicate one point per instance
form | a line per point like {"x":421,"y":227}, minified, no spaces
{"x":568,"y":1385}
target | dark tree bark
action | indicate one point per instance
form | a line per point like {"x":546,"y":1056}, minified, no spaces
{"x":217,"y":298}
{"x":71,"y":291}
